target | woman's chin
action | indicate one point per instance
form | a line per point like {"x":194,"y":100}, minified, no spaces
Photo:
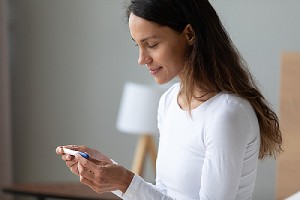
{"x":161,"y":81}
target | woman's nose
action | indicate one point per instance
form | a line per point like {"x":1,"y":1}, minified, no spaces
{"x":144,"y":57}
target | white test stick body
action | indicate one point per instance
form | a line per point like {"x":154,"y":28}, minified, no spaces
{"x":73,"y":152}
{"x":70,"y":151}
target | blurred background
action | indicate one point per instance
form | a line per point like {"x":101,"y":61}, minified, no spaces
{"x":68,"y":62}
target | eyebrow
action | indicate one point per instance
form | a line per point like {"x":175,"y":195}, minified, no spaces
{"x":147,"y":38}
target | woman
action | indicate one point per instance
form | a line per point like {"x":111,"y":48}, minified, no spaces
{"x":214,"y":125}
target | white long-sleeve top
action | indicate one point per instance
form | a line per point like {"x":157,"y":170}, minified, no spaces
{"x":210,"y":155}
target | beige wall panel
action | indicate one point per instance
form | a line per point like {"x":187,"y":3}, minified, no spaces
{"x":289,"y":161}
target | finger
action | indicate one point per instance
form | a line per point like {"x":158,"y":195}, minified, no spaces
{"x":87,"y":182}
{"x":92,"y":185}
{"x":85,"y":162}
{"x":70,"y":163}
{"x":67,"y":157}
{"x":81,"y":148}
{"x":74,"y":169}
{"x":73,"y":147}
{"x":97,"y":188}
{"x":87,"y":173}
{"x":98,"y":162}
{"x":87,"y":178}
{"x":59,"y":150}
{"x":90,"y":163}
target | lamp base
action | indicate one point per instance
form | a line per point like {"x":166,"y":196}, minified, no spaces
{"x":145,"y":145}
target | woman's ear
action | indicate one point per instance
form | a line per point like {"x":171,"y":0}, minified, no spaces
{"x":189,"y":34}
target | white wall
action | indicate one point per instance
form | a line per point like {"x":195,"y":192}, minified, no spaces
{"x":71,"y":58}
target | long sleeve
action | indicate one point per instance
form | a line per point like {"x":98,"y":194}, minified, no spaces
{"x":141,"y":190}
{"x":227,"y":144}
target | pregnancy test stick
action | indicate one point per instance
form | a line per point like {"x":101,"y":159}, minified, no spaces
{"x":72,"y":152}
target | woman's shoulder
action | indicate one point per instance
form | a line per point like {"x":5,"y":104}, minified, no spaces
{"x":231,"y":104}
{"x":226,"y":99}
{"x":230,"y":110}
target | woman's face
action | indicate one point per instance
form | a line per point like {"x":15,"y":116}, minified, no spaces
{"x":161,"y":48}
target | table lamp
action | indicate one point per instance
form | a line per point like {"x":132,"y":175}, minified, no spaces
{"x":138,"y":115}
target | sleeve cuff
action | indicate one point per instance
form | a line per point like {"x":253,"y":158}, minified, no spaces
{"x":114,"y":162}
{"x":131,"y":190}
{"x":133,"y":187}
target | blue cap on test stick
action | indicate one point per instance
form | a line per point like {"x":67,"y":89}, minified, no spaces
{"x":85,"y":155}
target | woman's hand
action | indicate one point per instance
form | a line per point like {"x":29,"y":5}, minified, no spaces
{"x":72,"y":162}
{"x":103,"y":176}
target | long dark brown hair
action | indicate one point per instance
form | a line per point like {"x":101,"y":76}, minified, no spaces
{"x":212,"y":63}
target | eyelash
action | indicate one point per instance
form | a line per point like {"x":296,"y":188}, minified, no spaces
{"x":152,"y":46}
{"x":149,"y":46}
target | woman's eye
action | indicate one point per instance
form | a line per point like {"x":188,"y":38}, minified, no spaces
{"x":152,"y":45}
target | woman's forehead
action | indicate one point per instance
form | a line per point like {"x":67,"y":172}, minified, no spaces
{"x":141,"y":29}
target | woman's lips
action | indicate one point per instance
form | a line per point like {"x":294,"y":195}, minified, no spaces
{"x":155,"y":71}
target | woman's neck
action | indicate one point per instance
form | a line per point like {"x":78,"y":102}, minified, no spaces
{"x":198,"y":98}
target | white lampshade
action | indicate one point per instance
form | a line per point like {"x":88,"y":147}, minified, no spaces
{"x":138,"y":109}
